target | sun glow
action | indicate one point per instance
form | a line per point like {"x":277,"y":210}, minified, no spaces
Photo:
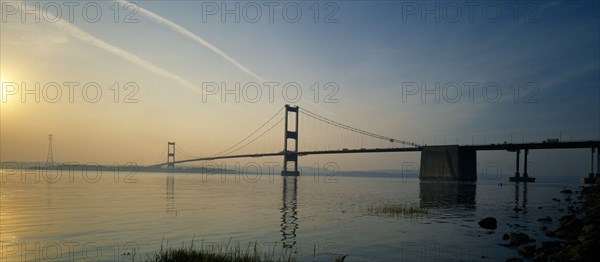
{"x":3,"y":96}
{"x":2,"y":89}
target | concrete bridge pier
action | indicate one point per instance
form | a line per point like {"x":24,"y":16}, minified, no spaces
{"x":598,"y":163}
{"x":525,"y":177}
{"x":517,"y":174}
{"x":525,"y":174}
{"x":448,"y":163}
{"x":592,"y":179}
{"x":592,"y":162}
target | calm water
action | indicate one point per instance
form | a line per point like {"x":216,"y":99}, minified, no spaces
{"x":317,"y":219}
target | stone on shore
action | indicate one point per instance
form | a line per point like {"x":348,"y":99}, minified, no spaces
{"x":517,"y":239}
{"x":488,"y":223}
{"x":545,"y":219}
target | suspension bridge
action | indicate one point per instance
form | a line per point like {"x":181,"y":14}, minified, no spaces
{"x":438,"y":162}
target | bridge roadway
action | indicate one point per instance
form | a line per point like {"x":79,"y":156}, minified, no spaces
{"x":542,"y":145}
{"x":301,"y":153}
{"x":487,"y":147}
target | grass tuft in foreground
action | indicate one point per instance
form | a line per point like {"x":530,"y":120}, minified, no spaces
{"x":221,"y":253}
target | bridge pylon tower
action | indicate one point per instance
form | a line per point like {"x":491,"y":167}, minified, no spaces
{"x":171,"y":155}
{"x":290,"y":155}
{"x":50,"y":156}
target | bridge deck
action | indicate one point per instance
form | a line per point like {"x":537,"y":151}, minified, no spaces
{"x":487,"y":147}
{"x":542,"y":145}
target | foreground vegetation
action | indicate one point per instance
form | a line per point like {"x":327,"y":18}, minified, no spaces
{"x":222,"y":253}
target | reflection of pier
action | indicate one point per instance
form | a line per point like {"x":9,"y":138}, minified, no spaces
{"x":170,"y":194}
{"x":289,"y":215}
{"x":517,"y":193}
{"x":444,"y":194}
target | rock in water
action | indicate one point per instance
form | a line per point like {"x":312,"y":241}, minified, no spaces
{"x":527,"y":251}
{"x":570,"y":226}
{"x":545,"y":219}
{"x":517,"y":239}
{"x":567,"y":191}
{"x":488,"y":223}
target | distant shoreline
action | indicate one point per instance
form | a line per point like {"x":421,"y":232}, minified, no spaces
{"x":215,"y":169}
{"x":127,"y":167}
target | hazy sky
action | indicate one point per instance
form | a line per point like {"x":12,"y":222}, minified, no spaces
{"x":388,"y":59}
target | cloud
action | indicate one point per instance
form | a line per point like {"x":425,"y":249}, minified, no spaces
{"x":181,"y":30}
{"x":86,"y":37}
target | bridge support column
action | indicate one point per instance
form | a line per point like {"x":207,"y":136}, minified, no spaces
{"x":592,"y":163}
{"x":592,"y":179}
{"x":171,"y":155}
{"x":525,"y":177}
{"x":290,"y":155}
{"x":598,"y":163}
{"x":517,"y":174}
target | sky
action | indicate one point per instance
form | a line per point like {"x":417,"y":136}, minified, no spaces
{"x":433,"y":72}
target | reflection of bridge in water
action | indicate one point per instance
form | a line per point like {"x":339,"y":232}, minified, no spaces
{"x":447,"y":194}
{"x":523,"y":204}
{"x":431,"y":195}
{"x":289,"y":213}
{"x":322,"y":135}
{"x":170,"y":194}
{"x":289,"y":204}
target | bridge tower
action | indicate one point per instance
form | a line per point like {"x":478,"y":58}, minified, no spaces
{"x":171,"y":155}
{"x":50,"y":157}
{"x":290,"y":155}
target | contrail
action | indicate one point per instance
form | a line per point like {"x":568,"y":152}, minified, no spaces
{"x":82,"y":35}
{"x":181,"y":30}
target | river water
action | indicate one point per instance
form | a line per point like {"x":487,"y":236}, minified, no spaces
{"x":314,"y":218}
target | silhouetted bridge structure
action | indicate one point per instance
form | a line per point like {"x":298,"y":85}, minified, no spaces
{"x":438,"y":162}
